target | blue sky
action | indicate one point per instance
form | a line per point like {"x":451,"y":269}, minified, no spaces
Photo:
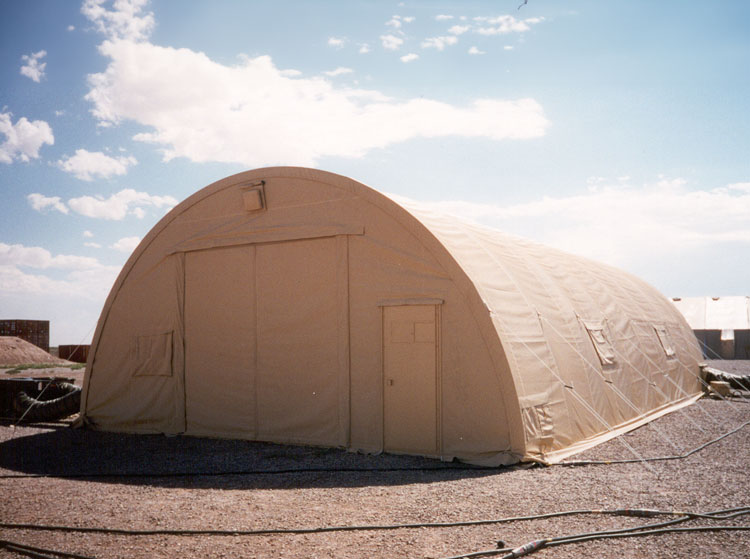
{"x":618,"y":130}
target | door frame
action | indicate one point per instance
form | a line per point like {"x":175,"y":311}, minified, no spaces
{"x":437,"y":304}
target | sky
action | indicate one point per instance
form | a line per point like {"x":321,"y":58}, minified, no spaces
{"x":616,"y":130}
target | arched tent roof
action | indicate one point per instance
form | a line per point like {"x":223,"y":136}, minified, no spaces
{"x":529,"y":353}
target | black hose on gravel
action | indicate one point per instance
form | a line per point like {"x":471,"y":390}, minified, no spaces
{"x":682,"y":516}
{"x":631,"y":532}
{"x":32,"y":409}
{"x":38,"y":552}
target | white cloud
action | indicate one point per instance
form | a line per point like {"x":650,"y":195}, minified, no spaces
{"x":34,"y":67}
{"x":88,"y":234}
{"x":443,"y":17}
{"x":67,"y":290}
{"x":391,"y":42}
{"x":40,"y":258}
{"x":439,"y":43}
{"x":91,"y":284}
{"x":397,"y":21}
{"x":87,"y":165}
{"x":502,"y":25}
{"x":409,"y":57}
{"x":622,"y":225}
{"x":117,"y":206}
{"x":508,"y":47}
{"x":475,"y":50}
{"x":124,"y":21}
{"x":92,"y":244}
{"x":338,"y":71}
{"x":336,"y":42}
{"x":126,"y":244}
{"x":364,"y":48}
{"x":254,"y":115}
{"x":71,"y":27}
{"x":23,"y":139}
{"x":459,"y":29}
{"x":40,"y":203}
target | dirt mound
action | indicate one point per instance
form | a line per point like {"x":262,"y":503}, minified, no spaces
{"x":15,"y":351}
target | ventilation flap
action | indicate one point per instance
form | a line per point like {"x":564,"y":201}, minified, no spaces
{"x":602,"y":344}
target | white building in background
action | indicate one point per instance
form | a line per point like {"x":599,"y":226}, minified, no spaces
{"x":721,"y":324}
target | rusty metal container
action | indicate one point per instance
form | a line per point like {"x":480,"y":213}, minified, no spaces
{"x":33,"y":331}
{"x":76,"y":353}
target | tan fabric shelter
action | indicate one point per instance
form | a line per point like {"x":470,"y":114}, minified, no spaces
{"x":298,"y":306}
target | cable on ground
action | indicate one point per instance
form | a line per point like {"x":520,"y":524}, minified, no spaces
{"x":655,"y":458}
{"x":635,"y":531}
{"x":39,"y":552}
{"x":642,"y":513}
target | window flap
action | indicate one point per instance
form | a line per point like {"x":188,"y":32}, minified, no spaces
{"x":602,"y":345}
{"x":153,"y":355}
{"x":665,"y":340}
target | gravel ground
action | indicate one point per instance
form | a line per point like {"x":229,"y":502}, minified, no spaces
{"x":178,"y":483}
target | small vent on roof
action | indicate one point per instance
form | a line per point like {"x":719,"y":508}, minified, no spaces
{"x":254,"y":197}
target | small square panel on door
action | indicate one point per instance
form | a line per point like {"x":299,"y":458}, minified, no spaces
{"x":410,"y":369}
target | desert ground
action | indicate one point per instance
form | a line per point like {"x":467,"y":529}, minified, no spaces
{"x":72,"y":490}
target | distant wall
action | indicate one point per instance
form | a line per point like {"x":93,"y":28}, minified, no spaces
{"x":77,"y":353}
{"x":724,"y":344}
{"x":33,"y":331}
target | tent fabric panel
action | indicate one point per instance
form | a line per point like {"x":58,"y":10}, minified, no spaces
{"x":525,"y":285}
{"x":118,"y":394}
{"x":391,"y":265}
{"x":152,"y":355}
{"x":590,"y":442}
{"x":470,"y":382}
{"x":298,"y":382}
{"x":220,"y":370}
{"x":386,"y":264}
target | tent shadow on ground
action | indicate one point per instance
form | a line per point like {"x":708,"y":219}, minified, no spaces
{"x":200,"y":463}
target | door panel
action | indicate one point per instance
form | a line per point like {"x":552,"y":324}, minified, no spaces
{"x":220,"y":341}
{"x":298,"y":342}
{"x":410,"y":370}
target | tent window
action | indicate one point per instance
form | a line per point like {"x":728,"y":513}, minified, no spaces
{"x":665,"y":340}
{"x":153,"y":355}
{"x":601,"y":342}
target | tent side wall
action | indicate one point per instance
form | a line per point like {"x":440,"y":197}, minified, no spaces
{"x":593,"y":351}
{"x":288,"y":342}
